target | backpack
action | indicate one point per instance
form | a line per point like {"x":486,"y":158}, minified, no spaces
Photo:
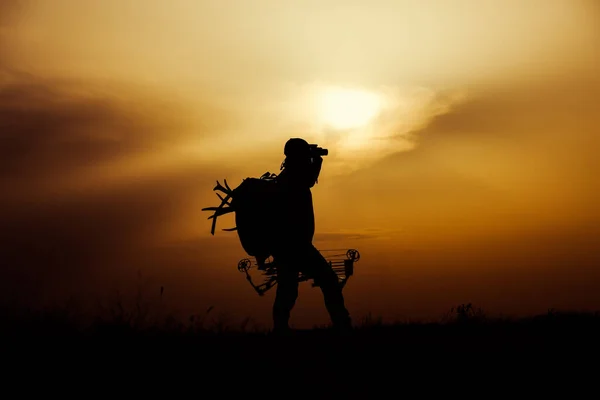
{"x":254,"y":203}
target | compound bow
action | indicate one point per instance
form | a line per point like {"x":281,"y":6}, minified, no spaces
{"x":342,"y":264}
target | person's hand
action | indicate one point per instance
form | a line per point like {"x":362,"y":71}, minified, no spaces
{"x":317,"y":160}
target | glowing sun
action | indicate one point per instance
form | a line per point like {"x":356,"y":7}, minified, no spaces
{"x":348,"y":108}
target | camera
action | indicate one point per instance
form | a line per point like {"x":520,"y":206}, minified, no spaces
{"x":318,"y":151}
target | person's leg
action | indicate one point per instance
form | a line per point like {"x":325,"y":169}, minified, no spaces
{"x":328,"y":281}
{"x":285,"y":299}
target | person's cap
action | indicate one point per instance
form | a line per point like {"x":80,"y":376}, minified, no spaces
{"x":296,"y":147}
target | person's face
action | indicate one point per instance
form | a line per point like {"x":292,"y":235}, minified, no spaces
{"x":298,"y":163}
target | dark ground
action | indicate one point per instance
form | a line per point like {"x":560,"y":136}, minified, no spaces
{"x":465,"y":355}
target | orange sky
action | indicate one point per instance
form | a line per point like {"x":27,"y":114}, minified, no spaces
{"x":462,"y":136}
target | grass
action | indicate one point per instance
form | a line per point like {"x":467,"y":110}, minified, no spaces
{"x":464,"y":343}
{"x":137,"y":322}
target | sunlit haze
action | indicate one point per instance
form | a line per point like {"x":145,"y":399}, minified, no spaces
{"x":348,"y":108}
{"x":462,"y":137}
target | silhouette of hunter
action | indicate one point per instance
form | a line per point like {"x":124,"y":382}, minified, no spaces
{"x":293,"y":250}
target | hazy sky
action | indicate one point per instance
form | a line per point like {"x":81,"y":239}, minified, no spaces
{"x":463,"y":143}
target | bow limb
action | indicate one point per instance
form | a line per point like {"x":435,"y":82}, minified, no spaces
{"x":263,"y":287}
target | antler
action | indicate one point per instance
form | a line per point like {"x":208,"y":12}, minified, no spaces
{"x":221,"y":209}
{"x":224,"y":199}
{"x":227,"y":190}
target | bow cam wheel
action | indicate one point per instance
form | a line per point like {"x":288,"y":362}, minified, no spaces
{"x":244,"y":265}
{"x":353,"y":255}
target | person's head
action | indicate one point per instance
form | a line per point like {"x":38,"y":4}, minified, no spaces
{"x":297,"y":153}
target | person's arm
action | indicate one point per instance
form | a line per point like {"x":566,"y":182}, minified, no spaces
{"x":315,"y":170}
{"x":301,"y":176}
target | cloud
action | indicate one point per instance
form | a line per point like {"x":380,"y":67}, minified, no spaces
{"x":405,"y":111}
{"x":8,"y":10}
{"x":397,"y":113}
{"x":58,"y":136}
{"x":510,"y":159}
{"x":46,"y":131}
{"x":98,"y":176}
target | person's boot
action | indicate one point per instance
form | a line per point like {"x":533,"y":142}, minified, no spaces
{"x":281,"y":328}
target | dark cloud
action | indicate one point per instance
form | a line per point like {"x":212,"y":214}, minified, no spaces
{"x":49,"y":130}
{"x":54,"y":129}
{"x":537,"y":140}
{"x":9,"y":10}
{"x":108,"y":234}
{"x":543,"y":130}
{"x":43,"y":131}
